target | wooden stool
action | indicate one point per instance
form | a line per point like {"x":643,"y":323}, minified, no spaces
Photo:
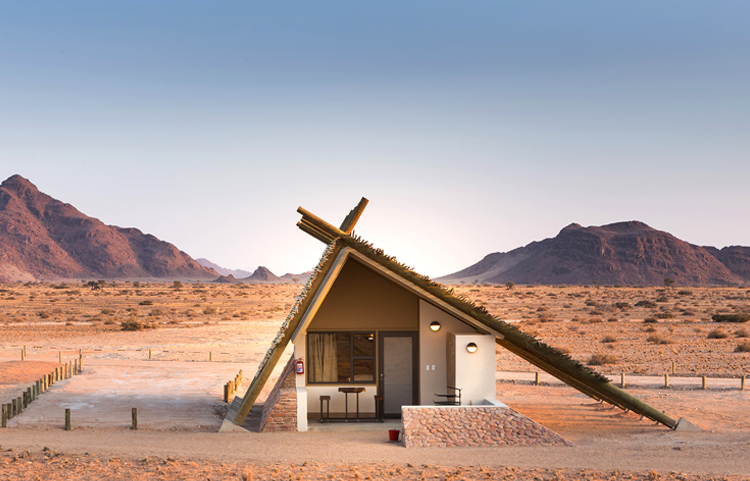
{"x":327,"y":399}
{"x":379,"y":400}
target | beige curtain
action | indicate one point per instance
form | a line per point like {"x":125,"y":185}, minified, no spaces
{"x":322,"y":358}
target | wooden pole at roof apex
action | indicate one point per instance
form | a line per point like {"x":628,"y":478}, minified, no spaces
{"x":351,"y":220}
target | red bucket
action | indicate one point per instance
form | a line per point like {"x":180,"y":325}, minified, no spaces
{"x":393,"y":434}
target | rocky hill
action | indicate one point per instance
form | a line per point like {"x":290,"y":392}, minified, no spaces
{"x":44,"y":239}
{"x":626,"y":253}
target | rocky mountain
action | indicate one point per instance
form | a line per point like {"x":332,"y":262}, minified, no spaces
{"x":44,"y":239}
{"x":237,"y":273}
{"x":627,"y":253}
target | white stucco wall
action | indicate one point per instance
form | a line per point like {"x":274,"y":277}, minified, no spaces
{"x":433,"y":350}
{"x":475,"y":372}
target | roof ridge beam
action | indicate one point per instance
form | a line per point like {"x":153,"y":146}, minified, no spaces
{"x":351,"y":219}
{"x":332,"y":231}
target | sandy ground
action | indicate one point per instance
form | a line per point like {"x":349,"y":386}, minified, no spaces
{"x":178,"y":396}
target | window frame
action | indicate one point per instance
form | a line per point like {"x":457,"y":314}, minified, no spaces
{"x":352,"y":358}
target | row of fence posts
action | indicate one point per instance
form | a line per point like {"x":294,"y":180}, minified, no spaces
{"x":230,"y":388}
{"x":133,"y":416}
{"x":16,"y":406}
{"x":666,"y":379}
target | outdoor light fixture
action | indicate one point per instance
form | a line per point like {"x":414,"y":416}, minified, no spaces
{"x":471,"y":347}
{"x":435,"y":326}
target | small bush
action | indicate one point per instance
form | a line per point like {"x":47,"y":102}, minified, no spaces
{"x":743,"y":347}
{"x":648,"y":304}
{"x":737,"y":317}
{"x":741,"y":333}
{"x":132,"y":324}
{"x":209,"y":310}
{"x":662,"y":299}
{"x":717,"y":334}
{"x":650,"y":320}
{"x":146,"y":303}
{"x":612,"y":319}
{"x":601,"y":359}
{"x":622,"y":305}
{"x":685,"y":293}
{"x":608,"y":338}
{"x":590,"y":303}
{"x":664,"y":315}
{"x":658,"y":339}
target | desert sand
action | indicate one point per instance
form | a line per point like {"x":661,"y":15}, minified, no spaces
{"x":178,"y":392}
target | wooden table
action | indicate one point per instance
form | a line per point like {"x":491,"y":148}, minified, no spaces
{"x":347,"y":391}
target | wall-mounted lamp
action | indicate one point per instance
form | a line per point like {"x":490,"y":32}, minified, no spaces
{"x":471,"y":347}
{"x":435,"y":326}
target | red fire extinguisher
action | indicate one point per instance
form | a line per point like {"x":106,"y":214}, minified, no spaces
{"x":299,"y":366}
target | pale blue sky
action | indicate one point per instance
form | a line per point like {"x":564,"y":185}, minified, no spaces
{"x":472,"y":127}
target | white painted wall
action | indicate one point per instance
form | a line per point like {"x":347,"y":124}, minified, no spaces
{"x":474,"y":372}
{"x":433,"y":351}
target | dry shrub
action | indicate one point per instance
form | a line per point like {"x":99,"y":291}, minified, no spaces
{"x":717,"y":334}
{"x":658,"y":339}
{"x":736,"y":317}
{"x":595,"y":320}
{"x":743,"y":347}
{"x":608,"y":338}
{"x":612,"y":319}
{"x":742,"y":332}
{"x":247,"y":475}
{"x":645,"y":303}
{"x":601,"y":359}
{"x":650,"y":320}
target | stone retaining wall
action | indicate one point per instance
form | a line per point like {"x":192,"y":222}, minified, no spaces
{"x":485,"y":425}
{"x":280,"y":408}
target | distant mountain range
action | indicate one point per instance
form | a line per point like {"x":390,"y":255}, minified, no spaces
{"x":237,"y":273}
{"x":626,"y":253}
{"x":43,"y":239}
{"x":261,"y":275}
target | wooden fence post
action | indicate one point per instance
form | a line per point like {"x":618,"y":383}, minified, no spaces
{"x":134,"y":415}
{"x":742,"y":383}
{"x":80,"y":360}
{"x":59,"y":357}
{"x":22,"y":355}
{"x":149,"y":354}
{"x":704,"y":381}
{"x":622,"y":380}
{"x":666,"y":381}
{"x":226,"y":393}
{"x":20,"y":405}
{"x":210,"y":356}
{"x":75,"y":366}
{"x":4,"y":416}
{"x":67,"y":419}
{"x":536,"y":378}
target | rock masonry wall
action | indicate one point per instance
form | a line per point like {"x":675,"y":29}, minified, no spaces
{"x":280,"y":408}
{"x":486,"y":425}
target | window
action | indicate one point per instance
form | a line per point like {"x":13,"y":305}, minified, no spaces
{"x":341,"y":357}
